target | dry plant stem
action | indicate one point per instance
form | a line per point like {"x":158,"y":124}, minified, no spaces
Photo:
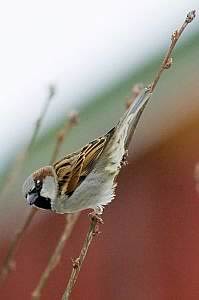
{"x":60,"y":138}
{"x":8,"y":261}
{"x":196,"y":176}
{"x":9,"y":264}
{"x":167,"y":61}
{"x":71,"y":122}
{"x":71,"y":219}
{"x":41,"y":117}
{"x":77,"y":263}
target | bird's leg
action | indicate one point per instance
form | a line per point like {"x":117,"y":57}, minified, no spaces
{"x":75,"y":262}
{"x":95,"y":214}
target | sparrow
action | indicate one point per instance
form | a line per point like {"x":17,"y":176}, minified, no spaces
{"x":86,"y":179}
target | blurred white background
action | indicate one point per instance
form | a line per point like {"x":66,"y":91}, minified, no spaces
{"x":79,"y":46}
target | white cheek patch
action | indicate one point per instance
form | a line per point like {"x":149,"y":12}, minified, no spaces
{"x":49,"y":188}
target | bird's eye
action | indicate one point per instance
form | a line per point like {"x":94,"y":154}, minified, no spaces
{"x":38,"y":185}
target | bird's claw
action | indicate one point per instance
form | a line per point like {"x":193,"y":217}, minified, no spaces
{"x":124,"y":161}
{"x":75,"y":262}
{"x":93,"y":215}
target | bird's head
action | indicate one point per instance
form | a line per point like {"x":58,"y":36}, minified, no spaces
{"x":40,"y":188}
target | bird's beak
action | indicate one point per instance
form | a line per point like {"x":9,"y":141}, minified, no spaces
{"x":31,"y":198}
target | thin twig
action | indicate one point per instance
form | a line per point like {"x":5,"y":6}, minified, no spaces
{"x":196,"y":176}
{"x":72,"y":121}
{"x":167,"y":61}
{"x":51,"y":94}
{"x":77,"y":263}
{"x":71,"y":220}
{"x":8,"y":262}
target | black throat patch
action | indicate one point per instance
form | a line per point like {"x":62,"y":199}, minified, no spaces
{"x":42,"y":202}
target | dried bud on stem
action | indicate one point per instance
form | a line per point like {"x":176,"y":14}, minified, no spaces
{"x":190,"y":16}
{"x":74,"y":118}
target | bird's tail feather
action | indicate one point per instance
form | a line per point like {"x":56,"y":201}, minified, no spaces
{"x":130,"y":119}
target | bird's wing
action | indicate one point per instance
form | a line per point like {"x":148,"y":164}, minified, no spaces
{"x":74,"y":168}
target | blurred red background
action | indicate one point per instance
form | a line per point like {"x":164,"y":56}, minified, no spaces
{"x":149,"y":245}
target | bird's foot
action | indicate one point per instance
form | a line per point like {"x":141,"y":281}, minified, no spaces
{"x":76,"y":262}
{"x":93,"y":215}
{"x":124,"y":161}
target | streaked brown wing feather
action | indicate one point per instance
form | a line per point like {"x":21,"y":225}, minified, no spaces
{"x":63,"y":169}
{"x":74,"y":168}
{"x":91,"y":155}
{"x":84,"y":164}
{"x":75,"y":175}
{"x":66,"y":161}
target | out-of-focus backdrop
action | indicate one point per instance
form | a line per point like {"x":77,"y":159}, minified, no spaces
{"x":93,"y":53}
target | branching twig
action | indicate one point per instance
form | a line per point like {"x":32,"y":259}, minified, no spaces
{"x":167,"y":61}
{"x":8,"y":262}
{"x":72,"y":121}
{"x":77,"y":263}
{"x":71,"y":219}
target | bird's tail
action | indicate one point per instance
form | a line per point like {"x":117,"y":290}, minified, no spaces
{"x":128,"y":123}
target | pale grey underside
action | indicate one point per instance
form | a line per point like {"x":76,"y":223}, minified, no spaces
{"x":98,"y":187}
